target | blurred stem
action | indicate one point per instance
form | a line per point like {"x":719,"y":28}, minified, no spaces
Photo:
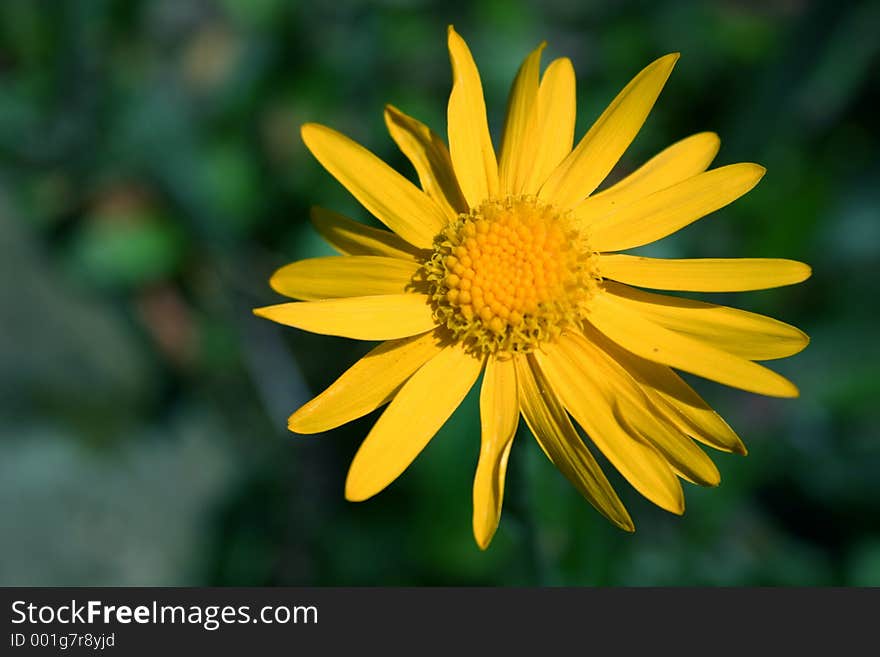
{"x":523,"y":503}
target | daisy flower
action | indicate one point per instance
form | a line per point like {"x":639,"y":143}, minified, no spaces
{"x":510,"y":266}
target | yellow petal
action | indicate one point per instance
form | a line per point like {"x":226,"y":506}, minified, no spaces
{"x":682,"y":160}
{"x":390,"y":197}
{"x":659,"y":214}
{"x":470,"y":144}
{"x":635,"y":332}
{"x":384,"y":317}
{"x":354,"y":238}
{"x":518,"y":144}
{"x":499,"y":415}
{"x":412,"y":418}
{"x":561,"y":443}
{"x":636,"y":410}
{"x":600,"y":149}
{"x":344,"y":276}
{"x":578,"y":378}
{"x":554,"y":132}
{"x":430,"y":158}
{"x":739,"y":332}
{"x":675,"y":399}
{"x":366,"y":385}
{"x":703,"y":274}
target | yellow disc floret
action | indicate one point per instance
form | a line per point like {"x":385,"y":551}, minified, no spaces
{"x":510,"y":275}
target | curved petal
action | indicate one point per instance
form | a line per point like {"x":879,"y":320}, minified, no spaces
{"x":390,"y":197}
{"x":470,"y":144}
{"x":351,"y":237}
{"x":561,"y":443}
{"x":518,"y":143}
{"x":344,"y":276}
{"x":366,"y":385}
{"x":431,"y":395}
{"x":383,"y":317}
{"x":600,"y":149}
{"x":703,"y":274}
{"x":554,"y":132}
{"x":574,"y":376}
{"x":663,"y":213}
{"x":429,"y":156}
{"x":636,"y":333}
{"x":682,"y":160}
{"x":499,"y":415}
{"x":638,"y":412}
{"x":674,"y":398}
{"x":739,"y":332}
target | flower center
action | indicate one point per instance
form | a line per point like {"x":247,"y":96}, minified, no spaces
{"x":510,"y":275}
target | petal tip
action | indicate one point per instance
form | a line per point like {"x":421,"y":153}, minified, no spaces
{"x":669,"y":60}
{"x":738,"y":447}
{"x":307,"y":129}
{"x":563,"y":62}
{"x":714,"y":481}
{"x":309,"y":132}
{"x":275,"y":281}
{"x":483,"y":540}
{"x":263,"y":311}
{"x":805,"y":273}
{"x":296,"y":424}
{"x":676,"y":504}
{"x":806,"y":339}
{"x":355,"y":492}
{"x":785,"y":390}
{"x":712,"y":138}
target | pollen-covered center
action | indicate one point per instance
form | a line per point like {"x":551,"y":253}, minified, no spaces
{"x":510,"y":275}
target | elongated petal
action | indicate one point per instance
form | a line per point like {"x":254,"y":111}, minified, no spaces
{"x":682,"y":160}
{"x":366,"y":385}
{"x":470,"y":144}
{"x":703,"y":274}
{"x":430,"y":158}
{"x":663,"y":213}
{"x":739,"y":332}
{"x":390,"y":197}
{"x":518,"y":144}
{"x":635,"y":332}
{"x":560,"y":441}
{"x":637,"y":411}
{"x":499,"y":415}
{"x":384,"y":317}
{"x":600,"y":149}
{"x":344,"y":276}
{"x":354,"y":238}
{"x":555,"y":126}
{"x":573,"y":376}
{"x":415,"y":414}
{"x":674,"y":398}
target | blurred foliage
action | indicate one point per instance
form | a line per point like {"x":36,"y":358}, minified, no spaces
{"x":152,"y":177}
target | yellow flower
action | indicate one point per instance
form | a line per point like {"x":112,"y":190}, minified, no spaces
{"x":508,"y":267}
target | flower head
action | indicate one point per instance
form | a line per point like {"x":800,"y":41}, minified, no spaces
{"x":509,"y":267}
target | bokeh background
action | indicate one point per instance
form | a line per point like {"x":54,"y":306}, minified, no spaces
{"x":152,"y":178}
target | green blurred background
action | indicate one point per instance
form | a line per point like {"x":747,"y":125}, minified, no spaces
{"x":152,"y":177}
